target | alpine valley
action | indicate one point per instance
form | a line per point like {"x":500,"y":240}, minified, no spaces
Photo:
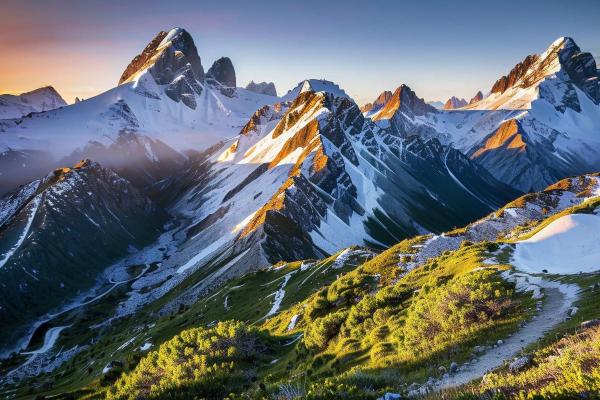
{"x":182,"y":237}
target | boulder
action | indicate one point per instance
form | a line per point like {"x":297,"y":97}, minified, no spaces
{"x":520,"y":363}
{"x":453,"y":367}
{"x":590,"y":324}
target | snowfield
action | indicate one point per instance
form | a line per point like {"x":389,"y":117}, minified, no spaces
{"x":568,"y":245}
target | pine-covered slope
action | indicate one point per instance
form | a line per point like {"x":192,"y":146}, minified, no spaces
{"x":59,"y":233}
{"x":428,"y":314}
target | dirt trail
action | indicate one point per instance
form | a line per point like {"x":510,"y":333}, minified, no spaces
{"x":558,"y":299}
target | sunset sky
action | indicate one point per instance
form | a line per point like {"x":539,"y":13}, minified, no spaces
{"x":439,"y":48}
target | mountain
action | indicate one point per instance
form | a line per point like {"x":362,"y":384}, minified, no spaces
{"x":437,"y":104}
{"x":267,"y":88}
{"x":163,"y":96}
{"x":538,"y":125}
{"x":314,"y":85}
{"x":169,"y":56}
{"x":57,"y":234}
{"x":222,"y":72}
{"x":38,"y":100}
{"x":478,"y":97}
{"x":555,"y":136}
{"x":309,"y":176}
{"x":454,"y":103}
{"x":556,"y":76}
{"x":379,"y":102}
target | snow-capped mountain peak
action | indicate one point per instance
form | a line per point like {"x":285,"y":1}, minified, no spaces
{"x":551,"y":75}
{"x":38,"y":100}
{"x":315,"y":85}
{"x":454,"y":103}
{"x":262,"y":88}
{"x":168,"y":55}
{"x":403,"y":100}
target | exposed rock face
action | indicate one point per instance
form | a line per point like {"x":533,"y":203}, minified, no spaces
{"x":262,"y":116}
{"x":222,"y":71}
{"x":581,"y":68}
{"x":172,"y":59}
{"x":476,"y":98}
{"x":403,"y":99}
{"x":143,"y":58}
{"x":379,"y":102}
{"x":167,"y":56}
{"x":509,"y":136}
{"x":262,"y":88}
{"x":563,"y":56}
{"x":514,"y":158}
{"x":515,"y":74}
{"x":454,"y":103}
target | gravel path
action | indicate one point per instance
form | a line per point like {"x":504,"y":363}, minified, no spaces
{"x":559,"y":298}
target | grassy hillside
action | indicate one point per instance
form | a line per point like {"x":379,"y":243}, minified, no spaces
{"x":355,"y":325}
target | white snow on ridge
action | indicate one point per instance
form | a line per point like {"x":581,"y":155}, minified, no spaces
{"x":315,"y":85}
{"x":207,"y":251}
{"x":35,"y":204}
{"x":568,"y":245}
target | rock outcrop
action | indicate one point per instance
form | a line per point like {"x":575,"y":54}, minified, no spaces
{"x":515,"y":74}
{"x":267,"y":88}
{"x":222,"y":71}
{"x":454,"y":103}
{"x":379,"y":102}
{"x":478,"y":97}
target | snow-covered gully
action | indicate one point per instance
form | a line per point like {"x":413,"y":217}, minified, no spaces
{"x":559,"y":298}
{"x":279,"y":295}
{"x":35,"y":204}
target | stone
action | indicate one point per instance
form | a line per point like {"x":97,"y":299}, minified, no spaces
{"x":453,"y":367}
{"x":572,"y":311}
{"x":520,"y":363}
{"x":590,"y":324}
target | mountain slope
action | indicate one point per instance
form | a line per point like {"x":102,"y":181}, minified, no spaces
{"x":38,"y":100}
{"x":163,"y":96}
{"x":58,"y":233}
{"x":308,"y":177}
{"x":550,"y":101}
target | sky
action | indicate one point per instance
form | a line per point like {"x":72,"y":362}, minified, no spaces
{"x":438,"y":48}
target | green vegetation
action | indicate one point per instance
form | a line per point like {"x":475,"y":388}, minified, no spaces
{"x":199,"y":362}
{"x":351,"y":326}
{"x":569,"y":368}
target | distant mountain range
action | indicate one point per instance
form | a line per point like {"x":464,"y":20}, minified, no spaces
{"x":38,"y":100}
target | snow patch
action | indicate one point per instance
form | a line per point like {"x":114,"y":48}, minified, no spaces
{"x":568,"y":245}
